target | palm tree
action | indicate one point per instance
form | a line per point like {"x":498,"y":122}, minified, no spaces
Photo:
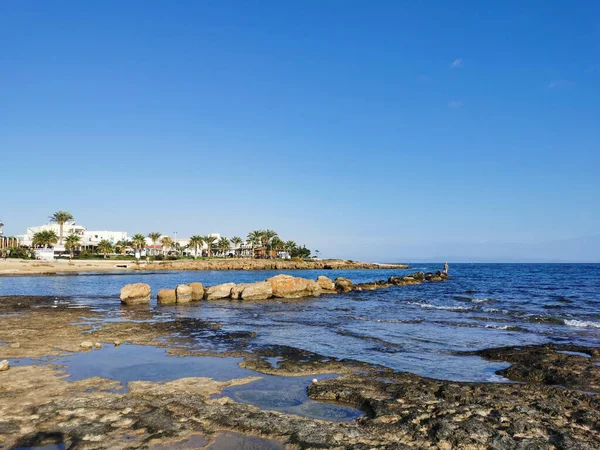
{"x":255,"y":238}
{"x":290,"y":246}
{"x":277,"y":244}
{"x":105,"y":247}
{"x":155,"y":236}
{"x":237,"y":242}
{"x":196,"y":242}
{"x":44,"y":238}
{"x":122,"y":245}
{"x":209,"y":241}
{"x":223,"y":245}
{"x":268,"y":236}
{"x":167,"y":244}
{"x":138,"y":241}
{"x":61,"y":217}
{"x":72,"y":241}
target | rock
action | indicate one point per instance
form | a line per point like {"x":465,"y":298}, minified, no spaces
{"x":98,"y":345}
{"x":184,"y":293}
{"x":87,"y":345}
{"x":404,"y":281}
{"x":287,"y":286}
{"x":417,"y":276}
{"x":257,"y":291}
{"x":236,"y":292}
{"x":135,"y":294}
{"x":117,"y":343}
{"x":219,"y":291}
{"x":343,"y":284}
{"x":166,"y":296}
{"x":197,"y":291}
{"x":4,"y":365}
{"x":325,"y":283}
{"x":15,"y":345}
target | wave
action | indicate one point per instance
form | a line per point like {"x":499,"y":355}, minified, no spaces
{"x":582,"y":323}
{"x":370,"y":319}
{"x":508,"y":328}
{"x":463,"y":298}
{"x":445,"y":308}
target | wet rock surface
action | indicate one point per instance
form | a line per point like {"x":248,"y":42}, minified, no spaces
{"x":39,"y":405}
{"x":571,"y":366}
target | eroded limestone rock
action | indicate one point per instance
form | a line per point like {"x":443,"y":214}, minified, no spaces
{"x":135,"y":294}
{"x":184,"y":293}
{"x":219,"y":291}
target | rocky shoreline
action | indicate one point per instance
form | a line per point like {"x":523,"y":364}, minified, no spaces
{"x":553,"y":405}
{"x":13,"y":267}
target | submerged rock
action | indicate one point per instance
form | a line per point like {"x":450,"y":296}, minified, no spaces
{"x":184,"y":293}
{"x":166,"y":296}
{"x":219,"y":291}
{"x":135,"y":294}
{"x":197,"y":291}
{"x":287,"y":286}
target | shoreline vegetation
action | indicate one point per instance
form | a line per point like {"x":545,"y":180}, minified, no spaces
{"x":16,"y":267}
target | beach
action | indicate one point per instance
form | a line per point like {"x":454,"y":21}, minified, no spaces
{"x":431,"y":365}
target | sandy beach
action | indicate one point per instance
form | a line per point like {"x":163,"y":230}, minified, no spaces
{"x":29,"y":267}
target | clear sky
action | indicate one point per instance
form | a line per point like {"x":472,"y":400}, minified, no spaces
{"x":386,"y":130}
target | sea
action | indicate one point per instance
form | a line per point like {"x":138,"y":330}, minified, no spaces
{"x":426,"y":329}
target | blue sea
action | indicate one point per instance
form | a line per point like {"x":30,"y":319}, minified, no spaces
{"x":423,"y":329}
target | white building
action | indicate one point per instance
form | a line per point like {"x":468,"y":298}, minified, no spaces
{"x":88,"y":238}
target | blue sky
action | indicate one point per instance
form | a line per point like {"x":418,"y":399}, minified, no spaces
{"x":375,"y":130}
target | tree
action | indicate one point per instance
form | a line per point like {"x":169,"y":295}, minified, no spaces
{"x":61,"y":217}
{"x":122,"y":245}
{"x":255,"y":238}
{"x":105,"y":247}
{"x":223,"y":245}
{"x":167,"y":244}
{"x":72,"y":241}
{"x":267,"y":237}
{"x":277,"y":244}
{"x":237,"y":242}
{"x":301,"y":252}
{"x":45,"y":238}
{"x":154,"y":236}
{"x":290,"y":246}
{"x":196,"y":242}
{"x":138,"y":241}
{"x":209,"y":241}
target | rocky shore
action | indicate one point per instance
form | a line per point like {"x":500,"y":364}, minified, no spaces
{"x":13,"y":267}
{"x":553,"y":403}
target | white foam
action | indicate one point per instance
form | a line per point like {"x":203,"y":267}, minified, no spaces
{"x":483,"y":300}
{"x":582,"y":323}
{"x":446,"y":308}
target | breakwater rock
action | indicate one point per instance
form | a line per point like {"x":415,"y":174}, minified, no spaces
{"x":265,"y":264}
{"x":280,"y":286}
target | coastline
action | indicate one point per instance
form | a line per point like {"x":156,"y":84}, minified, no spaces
{"x":18,"y":267}
{"x":399,"y":409}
